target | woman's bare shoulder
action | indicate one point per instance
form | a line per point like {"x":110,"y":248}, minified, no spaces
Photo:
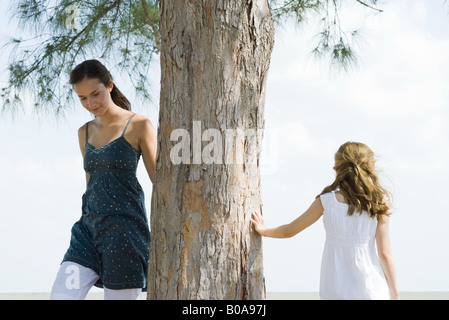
{"x":142,"y":122}
{"x":140,"y":118}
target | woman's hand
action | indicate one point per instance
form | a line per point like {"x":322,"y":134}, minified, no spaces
{"x":258,"y":223}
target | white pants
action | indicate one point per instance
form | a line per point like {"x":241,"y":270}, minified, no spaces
{"x":73,"y":282}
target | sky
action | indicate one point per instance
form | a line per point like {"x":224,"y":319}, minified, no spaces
{"x":396,"y":101}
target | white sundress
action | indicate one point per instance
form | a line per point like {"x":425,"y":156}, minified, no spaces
{"x":350,"y":268}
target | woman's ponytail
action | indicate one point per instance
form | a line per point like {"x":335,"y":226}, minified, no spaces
{"x":119,"y":99}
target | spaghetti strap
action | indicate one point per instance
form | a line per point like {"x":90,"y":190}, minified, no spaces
{"x":124,"y":130}
{"x":87,"y":125}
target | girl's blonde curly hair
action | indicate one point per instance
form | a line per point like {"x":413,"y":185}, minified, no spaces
{"x":358,"y":182}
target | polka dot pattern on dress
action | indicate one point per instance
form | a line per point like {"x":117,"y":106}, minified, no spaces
{"x":112,"y":236}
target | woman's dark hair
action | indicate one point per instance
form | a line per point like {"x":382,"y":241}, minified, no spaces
{"x":94,"y":69}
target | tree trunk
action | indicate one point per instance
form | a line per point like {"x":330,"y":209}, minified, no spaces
{"x":215,"y":57}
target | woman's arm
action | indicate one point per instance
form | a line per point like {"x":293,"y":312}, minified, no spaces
{"x":82,"y":142}
{"x":386,"y":255}
{"x":309,"y":217}
{"x":148,"y":147}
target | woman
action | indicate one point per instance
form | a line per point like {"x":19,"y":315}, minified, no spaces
{"x":109,"y":246}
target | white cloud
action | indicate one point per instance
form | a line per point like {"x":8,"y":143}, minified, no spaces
{"x":409,"y":75}
{"x":370,"y":93}
{"x":297,"y":140}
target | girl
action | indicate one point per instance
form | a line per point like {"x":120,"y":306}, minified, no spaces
{"x":110,"y":244}
{"x":355,"y":216}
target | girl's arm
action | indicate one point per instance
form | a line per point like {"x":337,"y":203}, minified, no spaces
{"x":386,"y":255}
{"x":289,"y":230}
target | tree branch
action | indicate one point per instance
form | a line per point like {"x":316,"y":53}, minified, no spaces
{"x":152,"y":25}
{"x":91,"y":23}
{"x":367,"y":5}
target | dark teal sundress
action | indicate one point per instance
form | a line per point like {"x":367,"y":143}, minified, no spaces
{"x":112,"y":236}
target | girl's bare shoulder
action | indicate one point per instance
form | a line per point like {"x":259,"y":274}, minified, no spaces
{"x":340,"y":197}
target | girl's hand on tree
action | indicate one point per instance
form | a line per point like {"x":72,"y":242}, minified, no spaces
{"x":258,"y":223}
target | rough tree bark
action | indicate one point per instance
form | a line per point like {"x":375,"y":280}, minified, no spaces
{"x":215,"y":56}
